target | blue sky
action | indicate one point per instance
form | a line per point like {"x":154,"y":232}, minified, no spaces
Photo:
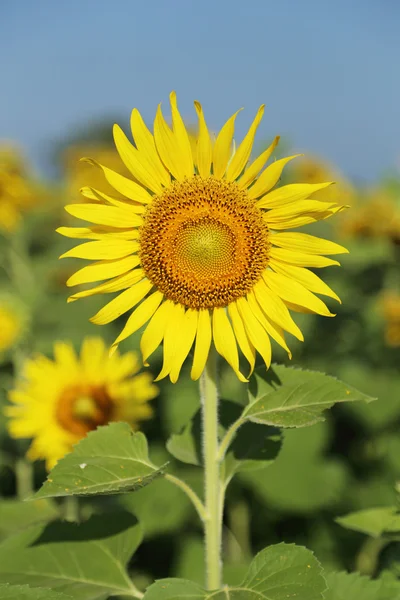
{"x":327,"y":70}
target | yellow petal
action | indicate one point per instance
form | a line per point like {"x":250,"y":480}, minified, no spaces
{"x":292,"y":291}
{"x":244,"y":343}
{"x":140,"y":316}
{"x":204,"y":147}
{"x":202,"y":344}
{"x":181,"y":136}
{"x":65,"y":355}
{"x":103,"y":270}
{"x":307,"y":243}
{"x":168,"y":147}
{"x":225,"y":341}
{"x":122,"y":303}
{"x":186,"y":339}
{"x":115,"y":285}
{"x":295,"y":209}
{"x":299,"y":221}
{"x":144,"y":141}
{"x":136,"y":162}
{"x":105,"y":215}
{"x":271,"y":328}
{"x":276,"y":309}
{"x":223,"y":146}
{"x":172,"y":338}
{"x":108,"y":249}
{"x":253,"y":170}
{"x":257,"y":334}
{"x":97,"y":233}
{"x":301,"y":259}
{"x":269,"y":177}
{"x":310,"y":280}
{"x":242,"y":154}
{"x":122,"y":184}
{"x":92,"y":194}
{"x":292,"y":192}
{"x":154,"y":333}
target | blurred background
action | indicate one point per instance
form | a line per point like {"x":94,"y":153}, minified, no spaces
{"x":328,"y":74}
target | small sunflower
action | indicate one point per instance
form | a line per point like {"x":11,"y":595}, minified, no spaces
{"x":12,"y":324}
{"x":199,"y":245}
{"x":391,"y":311}
{"x":59,"y":401}
{"x":17,"y":193}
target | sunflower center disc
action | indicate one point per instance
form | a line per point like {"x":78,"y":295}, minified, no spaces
{"x":82,"y":408}
{"x":204,"y":243}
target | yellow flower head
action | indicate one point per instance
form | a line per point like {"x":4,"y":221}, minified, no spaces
{"x":17,"y":194}
{"x":11,"y":325}
{"x":314,"y":170}
{"x":199,"y":245}
{"x":59,"y":401}
{"x":391,"y":313}
{"x":377,"y":215}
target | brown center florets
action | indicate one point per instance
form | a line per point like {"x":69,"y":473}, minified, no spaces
{"x":82,"y":408}
{"x":204,"y":243}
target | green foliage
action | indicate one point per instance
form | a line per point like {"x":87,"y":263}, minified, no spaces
{"x":276,"y":573}
{"x":24,"y":592}
{"x":288,"y":397}
{"x":112,"y":459}
{"x":376,"y":522}
{"x":84,"y":561}
{"x":15,"y":515}
{"x":345,"y":586}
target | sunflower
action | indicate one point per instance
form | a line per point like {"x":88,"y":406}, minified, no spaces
{"x":313,"y":170}
{"x":17,"y":193}
{"x":200,"y":245}
{"x":59,"y":401}
{"x":390,"y":304}
{"x":11,"y":325}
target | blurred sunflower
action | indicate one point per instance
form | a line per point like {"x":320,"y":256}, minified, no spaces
{"x":17,"y":193}
{"x":313,"y":170}
{"x":378,"y":215}
{"x":12,"y":324}
{"x":199,"y":244}
{"x":391,"y":311}
{"x":59,"y":401}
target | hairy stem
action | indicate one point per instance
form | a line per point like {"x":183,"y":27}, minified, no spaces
{"x":213,"y":522}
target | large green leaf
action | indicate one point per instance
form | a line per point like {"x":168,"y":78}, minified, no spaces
{"x":16,"y":515}
{"x":352,"y":586}
{"x":85,"y":561}
{"x":110,"y":460}
{"x":376,"y":522}
{"x":276,"y":573}
{"x":24,"y":592}
{"x":288,"y":397}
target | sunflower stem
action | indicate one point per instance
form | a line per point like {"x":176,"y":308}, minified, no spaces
{"x":71,"y":509}
{"x":191,"y":494}
{"x":24,"y":478}
{"x":214,"y":511}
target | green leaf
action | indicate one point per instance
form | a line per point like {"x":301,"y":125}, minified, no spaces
{"x":24,"y":592}
{"x":253,"y":448}
{"x":302,"y":479}
{"x":186,"y":445}
{"x":16,"y":515}
{"x":376,"y":522}
{"x":288,"y":397}
{"x":113,"y":459}
{"x":352,"y":586}
{"x":276,"y":573}
{"x":86,"y":561}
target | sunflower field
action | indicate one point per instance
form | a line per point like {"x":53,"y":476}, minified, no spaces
{"x":201,"y":399}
